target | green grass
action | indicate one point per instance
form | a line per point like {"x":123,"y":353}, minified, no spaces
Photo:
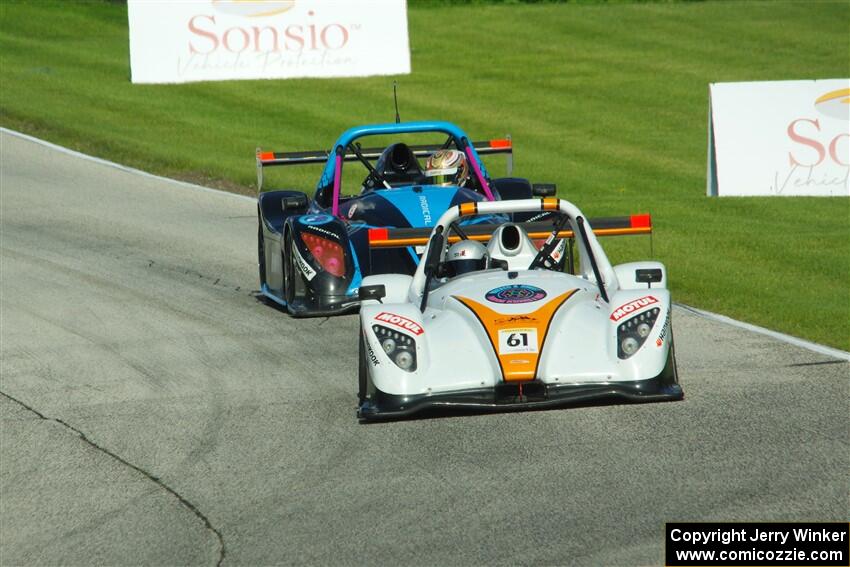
{"x":609,"y":101}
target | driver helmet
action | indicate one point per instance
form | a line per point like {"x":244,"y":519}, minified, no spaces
{"x":447,"y":167}
{"x":466,"y":256}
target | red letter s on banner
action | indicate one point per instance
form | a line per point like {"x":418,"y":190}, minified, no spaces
{"x":806,"y":141}
{"x":198,"y":31}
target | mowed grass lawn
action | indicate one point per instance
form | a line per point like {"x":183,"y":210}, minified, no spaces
{"x":608,"y":101}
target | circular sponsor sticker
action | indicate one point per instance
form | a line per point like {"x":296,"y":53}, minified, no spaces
{"x":518,"y":293}
{"x":312,"y":220}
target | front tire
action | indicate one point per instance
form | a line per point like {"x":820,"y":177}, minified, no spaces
{"x":363,"y":373}
{"x":261,"y":252}
{"x":673,"y":357}
{"x":293,"y":282}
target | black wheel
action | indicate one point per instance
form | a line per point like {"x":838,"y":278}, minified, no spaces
{"x":670,"y":373}
{"x":673,"y":352}
{"x":363,"y":370}
{"x":293,"y":282}
{"x":261,"y":252}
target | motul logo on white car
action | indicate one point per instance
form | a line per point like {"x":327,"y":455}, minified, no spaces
{"x":632,"y":306}
{"x":400,"y":322}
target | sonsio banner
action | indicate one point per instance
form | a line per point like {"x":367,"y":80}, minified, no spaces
{"x":178,"y":41}
{"x":779,"y":138}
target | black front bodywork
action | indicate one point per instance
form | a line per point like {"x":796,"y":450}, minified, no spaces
{"x":513,"y":396}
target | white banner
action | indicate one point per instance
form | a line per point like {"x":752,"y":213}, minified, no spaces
{"x":178,"y":41}
{"x":779,"y":138}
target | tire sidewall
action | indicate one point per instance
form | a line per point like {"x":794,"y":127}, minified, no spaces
{"x":363,"y":371}
{"x":288,"y":269}
{"x":261,"y":252}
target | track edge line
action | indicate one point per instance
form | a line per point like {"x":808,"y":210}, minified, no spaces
{"x":802,"y":343}
{"x":124,"y":168}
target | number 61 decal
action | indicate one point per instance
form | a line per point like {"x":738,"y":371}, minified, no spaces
{"x":512,"y":341}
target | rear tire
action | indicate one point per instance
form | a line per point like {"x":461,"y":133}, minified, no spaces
{"x":516,"y":188}
{"x":513,"y":188}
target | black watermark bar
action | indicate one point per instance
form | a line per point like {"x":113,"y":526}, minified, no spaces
{"x":744,"y":544}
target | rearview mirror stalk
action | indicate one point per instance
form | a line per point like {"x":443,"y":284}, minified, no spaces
{"x":599,"y":282}
{"x":432,"y":262}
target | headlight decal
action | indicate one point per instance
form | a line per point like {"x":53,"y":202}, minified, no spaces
{"x":632,"y":333}
{"x":327,"y":253}
{"x":399,"y":347}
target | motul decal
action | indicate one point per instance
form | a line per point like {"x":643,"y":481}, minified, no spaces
{"x":632,"y":306}
{"x":400,"y":322}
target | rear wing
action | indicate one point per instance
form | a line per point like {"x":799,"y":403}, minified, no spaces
{"x":605,"y":226}
{"x":267,"y":159}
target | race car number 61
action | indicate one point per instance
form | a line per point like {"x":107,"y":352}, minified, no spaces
{"x":517,"y":340}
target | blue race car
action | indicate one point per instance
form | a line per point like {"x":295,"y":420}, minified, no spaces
{"x":313,"y":253}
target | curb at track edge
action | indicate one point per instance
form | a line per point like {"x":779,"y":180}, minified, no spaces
{"x":125,"y":168}
{"x":802,"y":343}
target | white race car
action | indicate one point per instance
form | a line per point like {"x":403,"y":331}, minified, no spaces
{"x":511,"y":326}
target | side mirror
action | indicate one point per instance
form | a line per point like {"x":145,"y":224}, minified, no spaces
{"x":294,"y":203}
{"x":649,"y":276}
{"x":376,"y":292}
{"x":435,"y":252}
{"x":544,"y":189}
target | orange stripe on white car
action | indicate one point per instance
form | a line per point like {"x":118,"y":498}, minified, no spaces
{"x":517,"y":338}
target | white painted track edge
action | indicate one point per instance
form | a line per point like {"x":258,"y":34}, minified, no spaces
{"x":125,"y":168}
{"x":814,"y":347}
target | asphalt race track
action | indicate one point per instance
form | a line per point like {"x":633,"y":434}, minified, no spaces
{"x":154,"y":411}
